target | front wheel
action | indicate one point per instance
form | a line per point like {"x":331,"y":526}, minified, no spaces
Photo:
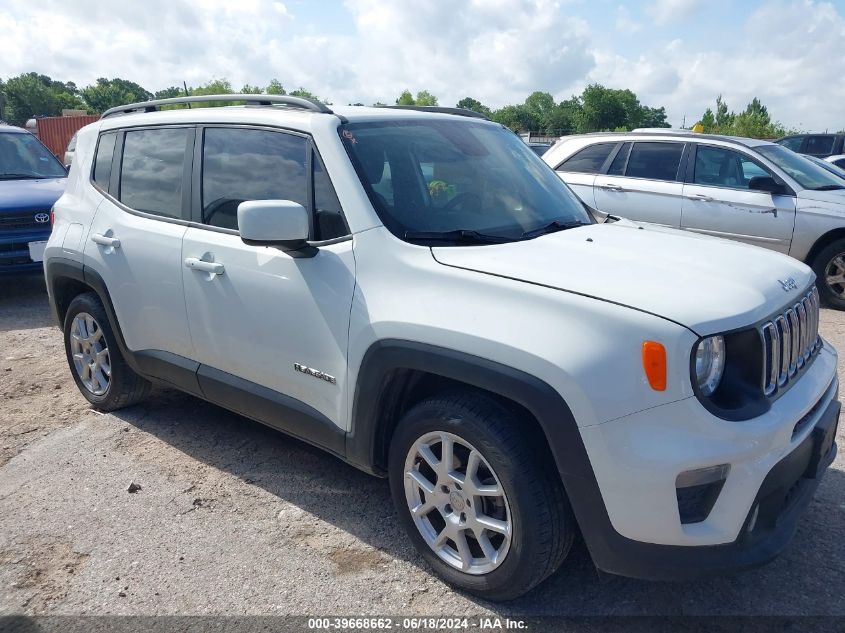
{"x":486,"y":512}
{"x":829,"y":266}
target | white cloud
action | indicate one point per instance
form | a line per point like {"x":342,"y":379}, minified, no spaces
{"x":624,"y":22}
{"x":667,"y":11}
{"x":789,"y":54}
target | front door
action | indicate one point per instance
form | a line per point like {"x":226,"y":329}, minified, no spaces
{"x":718,"y":201}
{"x":265,"y":319}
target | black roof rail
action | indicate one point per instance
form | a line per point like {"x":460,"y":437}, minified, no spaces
{"x":458,"y":111}
{"x":251,"y":99}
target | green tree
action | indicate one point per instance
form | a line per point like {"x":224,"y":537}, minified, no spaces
{"x":601,"y":109}
{"x":468,"y":103}
{"x":302,"y":92}
{"x":108,"y":93}
{"x":425,"y":98}
{"x":516,"y":117}
{"x":31,"y":94}
{"x":275,"y":87}
{"x":251,"y":90}
{"x":170,"y":93}
{"x":406,"y":98}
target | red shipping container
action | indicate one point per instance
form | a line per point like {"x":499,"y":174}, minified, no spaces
{"x":56,"y":131}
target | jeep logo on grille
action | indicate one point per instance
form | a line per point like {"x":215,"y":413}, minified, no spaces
{"x":788,"y":284}
{"x":42,"y":218}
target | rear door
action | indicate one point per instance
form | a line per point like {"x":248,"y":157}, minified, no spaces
{"x":643,"y":183}
{"x":267,"y":317}
{"x":717,"y":200}
{"x":135,"y":239}
{"x":579,"y":170}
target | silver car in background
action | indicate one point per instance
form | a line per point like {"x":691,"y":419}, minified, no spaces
{"x":737,"y":188}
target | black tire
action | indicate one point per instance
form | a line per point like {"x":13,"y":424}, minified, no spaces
{"x":125,"y":387}
{"x":832,"y":297}
{"x":543,"y":525}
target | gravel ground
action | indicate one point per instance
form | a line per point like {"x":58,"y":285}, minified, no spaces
{"x":234,"y":518}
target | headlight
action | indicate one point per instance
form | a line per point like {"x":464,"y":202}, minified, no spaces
{"x":709,"y":363}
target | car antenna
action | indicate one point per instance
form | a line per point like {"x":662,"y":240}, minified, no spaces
{"x":187,"y":94}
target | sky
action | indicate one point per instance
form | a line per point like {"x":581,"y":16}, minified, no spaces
{"x":679,"y":54}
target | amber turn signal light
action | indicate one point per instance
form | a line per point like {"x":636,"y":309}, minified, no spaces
{"x":654,"y":364}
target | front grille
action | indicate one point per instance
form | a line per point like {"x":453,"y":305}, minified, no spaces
{"x":789,"y":340}
{"x":23,"y":220}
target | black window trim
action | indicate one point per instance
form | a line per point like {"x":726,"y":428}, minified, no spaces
{"x":188,"y":186}
{"x":679,"y":174}
{"x":196,"y":180}
{"x":91,"y":180}
{"x":690,"y":172}
{"x":613,"y":155}
{"x":604,"y":166}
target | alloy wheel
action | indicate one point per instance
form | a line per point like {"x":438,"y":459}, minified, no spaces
{"x":457,"y":503}
{"x":90,"y":353}
{"x":835,"y":274}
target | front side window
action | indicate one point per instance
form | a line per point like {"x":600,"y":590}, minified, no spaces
{"x":244,"y":164}
{"x":460,"y":178}
{"x":802,"y":170}
{"x":103,"y":160}
{"x":23,"y":157}
{"x":588,"y":160}
{"x":152,"y":170}
{"x":793,"y":142}
{"x":720,"y":167}
{"x":819,"y":145}
{"x":655,"y":161}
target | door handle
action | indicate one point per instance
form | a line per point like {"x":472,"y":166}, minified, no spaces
{"x":104,"y":240}
{"x":215,"y":268}
{"x":612,"y":187}
{"x":701,"y":197}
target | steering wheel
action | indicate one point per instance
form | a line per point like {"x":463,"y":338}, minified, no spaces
{"x":459,"y":202}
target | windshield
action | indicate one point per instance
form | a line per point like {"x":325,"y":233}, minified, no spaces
{"x":827,"y":166}
{"x":805,"y":172}
{"x":458,"y":179}
{"x":23,"y":156}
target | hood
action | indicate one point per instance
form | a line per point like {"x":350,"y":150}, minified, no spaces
{"x":835,"y":197}
{"x":707,"y":284}
{"x":24,"y":195}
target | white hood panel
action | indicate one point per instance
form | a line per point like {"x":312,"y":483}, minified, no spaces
{"x":707,"y":284}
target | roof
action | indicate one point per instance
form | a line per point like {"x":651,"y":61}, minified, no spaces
{"x":5,"y":128}
{"x":680,"y":134}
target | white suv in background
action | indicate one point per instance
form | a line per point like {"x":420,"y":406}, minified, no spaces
{"x":418,"y":294}
{"x":737,"y":188}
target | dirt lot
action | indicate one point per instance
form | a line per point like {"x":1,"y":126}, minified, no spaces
{"x":235,"y":518}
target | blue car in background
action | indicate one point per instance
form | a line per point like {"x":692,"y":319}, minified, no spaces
{"x":31,"y":180}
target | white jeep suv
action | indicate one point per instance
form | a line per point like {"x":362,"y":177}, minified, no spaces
{"x":738,"y":188}
{"x":418,"y":293}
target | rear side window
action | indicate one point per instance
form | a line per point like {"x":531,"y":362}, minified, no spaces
{"x":102,"y":160}
{"x":655,"y":161}
{"x":243,"y":164}
{"x":793,"y":143}
{"x":819,"y":145}
{"x":152,"y":170}
{"x":588,"y":160}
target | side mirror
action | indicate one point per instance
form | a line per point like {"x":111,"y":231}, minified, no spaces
{"x":767,"y":184}
{"x":280,"y":223}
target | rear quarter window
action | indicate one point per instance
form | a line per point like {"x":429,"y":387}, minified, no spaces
{"x":101,"y":171}
{"x":588,"y":160}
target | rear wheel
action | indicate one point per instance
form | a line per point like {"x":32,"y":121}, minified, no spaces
{"x":829,"y":266}
{"x":478,"y":503}
{"x":98,"y":368}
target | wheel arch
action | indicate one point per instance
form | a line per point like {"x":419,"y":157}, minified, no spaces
{"x":824,"y":241}
{"x":395,"y":374}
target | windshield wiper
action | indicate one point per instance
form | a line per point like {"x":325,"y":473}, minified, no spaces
{"x":552,"y":227}
{"x":461,"y":236}
{"x":829,"y":188}
{"x":20,"y":177}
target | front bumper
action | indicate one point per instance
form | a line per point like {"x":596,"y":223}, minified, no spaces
{"x":775,"y":467}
